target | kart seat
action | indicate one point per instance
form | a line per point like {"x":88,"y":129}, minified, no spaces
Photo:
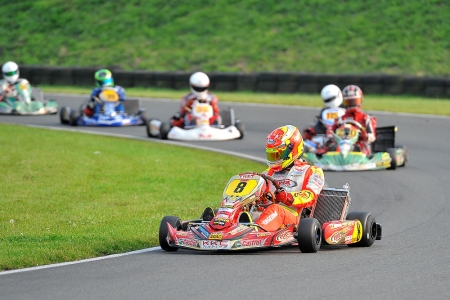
{"x":245,"y":217}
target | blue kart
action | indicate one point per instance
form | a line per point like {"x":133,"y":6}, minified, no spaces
{"x":105,"y":113}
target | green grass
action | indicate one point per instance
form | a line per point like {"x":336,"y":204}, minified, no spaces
{"x":324,"y":36}
{"x":68,"y":196}
{"x":406,"y":104}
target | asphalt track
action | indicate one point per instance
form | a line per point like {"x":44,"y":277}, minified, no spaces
{"x":412,"y":261}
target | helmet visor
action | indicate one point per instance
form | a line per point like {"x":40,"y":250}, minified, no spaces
{"x":199,"y":89}
{"x":12,"y":73}
{"x":277,"y":155}
{"x":107,"y":81}
{"x":352,"y":102}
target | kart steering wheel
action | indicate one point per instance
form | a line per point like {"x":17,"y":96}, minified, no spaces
{"x":353,"y":122}
{"x":274,"y":182}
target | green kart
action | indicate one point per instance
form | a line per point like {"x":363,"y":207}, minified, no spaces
{"x":385,"y":155}
{"x":34,"y":103}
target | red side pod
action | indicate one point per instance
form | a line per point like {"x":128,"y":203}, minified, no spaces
{"x":342,"y":232}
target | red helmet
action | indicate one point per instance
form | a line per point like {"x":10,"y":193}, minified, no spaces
{"x":283,"y":146}
{"x":353,"y":97}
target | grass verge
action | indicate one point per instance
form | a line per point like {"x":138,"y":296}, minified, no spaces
{"x":68,"y":196}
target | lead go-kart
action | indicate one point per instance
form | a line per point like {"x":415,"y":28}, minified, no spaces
{"x":34,"y":104}
{"x":343,"y":153}
{"x":233,"y":227}
{"x":228,"y":127}
{"x":106,"y":114}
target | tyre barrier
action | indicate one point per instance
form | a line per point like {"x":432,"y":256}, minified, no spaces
{"x":267,"y":82}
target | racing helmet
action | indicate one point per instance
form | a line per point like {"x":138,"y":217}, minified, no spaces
{"x":10,"y":71}
{"x":104,"y":78}
{"x":199,"y":83}
{"x":283,"y":146}
{"x":353,"y":97}
{"x":331,"y":96}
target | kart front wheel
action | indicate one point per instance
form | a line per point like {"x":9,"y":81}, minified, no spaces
{"x":393,"y":154}
{"x":369,"y":230}
{"x":309,"y":235}
{"x":175,"y":222}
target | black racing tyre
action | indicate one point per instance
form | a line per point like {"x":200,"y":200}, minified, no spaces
{"x":64,"y":114}
{"x":393,"y":154}
{"x":369,"y":228}
{"x":164,"y":130}
{"x":240,"y":127}
{"x":175,"y":222}
{"x":309,"y":235}
{"x":405,"y":154}
{"x":73,"y":119}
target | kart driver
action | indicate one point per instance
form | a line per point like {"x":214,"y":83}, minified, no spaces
{"x":353,"y":98}
{"x":332,"y":99}
{"x":10,"y":85}
{"x":300,"y":183}
{"x":104,"y":80}
{"x":199,"y":83}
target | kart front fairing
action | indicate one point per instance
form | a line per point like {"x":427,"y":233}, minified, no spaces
{"x":204,"y":132}
{"x":353,"y":161}
{"x":31,"y":108}
{"x":109,"y":117}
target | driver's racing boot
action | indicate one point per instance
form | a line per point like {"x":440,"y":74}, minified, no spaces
{"x":208,"y":214}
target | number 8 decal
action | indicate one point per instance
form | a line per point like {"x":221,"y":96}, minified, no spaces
{"x":240,"y":187}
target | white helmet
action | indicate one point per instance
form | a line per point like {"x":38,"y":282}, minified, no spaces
{"x":199,"y":83}
{"x":331,"y":96}
{"x":10,"y":71}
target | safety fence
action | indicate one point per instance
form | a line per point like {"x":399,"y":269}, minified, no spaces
{"x":267,"y":82}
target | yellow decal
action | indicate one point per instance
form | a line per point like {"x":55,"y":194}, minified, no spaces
{"x":202,"y":109}
{"x":109,"y":95}
{"x":332,"y":115}
{"x":215,"y":236}
{"x":357,"y":232}
{"x":342,"y":133}
{"x":23,"y":86}
{"x":240,"y":188}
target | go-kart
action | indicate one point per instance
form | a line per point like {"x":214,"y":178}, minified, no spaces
{"x":233,"y":227}
{"x":228,"y":128}
{"x":342,"y":154}
{"x":34,"y":103}
{"x":106,"y":114}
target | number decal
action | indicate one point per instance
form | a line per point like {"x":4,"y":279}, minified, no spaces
{"x":240,"y":187}
{"x":202,"y":109}
{"x":109,"y":95}
{"x":331,"y":116}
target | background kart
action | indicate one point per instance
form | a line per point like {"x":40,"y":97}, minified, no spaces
{"x":228,"y":128}
{"x":37,"y":106}
{"x":134,"y":114}
{"x":232,"y":227}
{"x":385,"y":154}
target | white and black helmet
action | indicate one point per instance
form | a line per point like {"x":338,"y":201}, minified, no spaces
{"x":331,"y":96}
{"x":10,"y":71}
{"x":199,"y":83}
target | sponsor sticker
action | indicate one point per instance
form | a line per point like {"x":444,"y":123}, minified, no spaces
{"x":245,"y":176}
{"x":212,"y":244}
{"x":187,"y":242}
{"x":284,"y":236}
{"x":287,"y":183}
{"x":269,"y":218}
{"x":215,"y":236}
{"x":252,"y":243}
{"x":336,"y":237}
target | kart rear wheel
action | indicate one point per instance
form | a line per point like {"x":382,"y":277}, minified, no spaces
{"x":164,"y":130}
{"x":393,"y":154}
{"x":64,"y":114}
{"x":369,"y":230}
{"x":73,"y":119}
{"x":405,"y":154}
{"x":175,"y":222}
{"x":309,"y":235}
{"x":240,"y":127}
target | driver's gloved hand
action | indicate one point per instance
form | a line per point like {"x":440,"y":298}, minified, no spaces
{"x":284,"y":197}
{"x":91,"y":105}
{"x":177,"y":116}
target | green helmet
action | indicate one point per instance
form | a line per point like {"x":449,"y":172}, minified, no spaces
{"x":103,"y":78}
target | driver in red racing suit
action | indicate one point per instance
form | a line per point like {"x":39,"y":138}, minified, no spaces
{"x":199,"y":83}
{"x":353,"y":98}
{"x":300,"y":183}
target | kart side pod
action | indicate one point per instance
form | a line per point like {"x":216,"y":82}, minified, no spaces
{"x":350,"y":232}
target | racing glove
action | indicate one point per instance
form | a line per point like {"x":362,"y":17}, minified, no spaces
{"x":177,"y":116}
{"x":284,"y":197}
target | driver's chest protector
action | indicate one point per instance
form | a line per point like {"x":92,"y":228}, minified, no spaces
{"x":292,"y":180}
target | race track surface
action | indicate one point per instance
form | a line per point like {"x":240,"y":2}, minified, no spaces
{"x":412,"y":261}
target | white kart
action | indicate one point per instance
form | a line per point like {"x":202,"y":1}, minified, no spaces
{"x":228,"y":128}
